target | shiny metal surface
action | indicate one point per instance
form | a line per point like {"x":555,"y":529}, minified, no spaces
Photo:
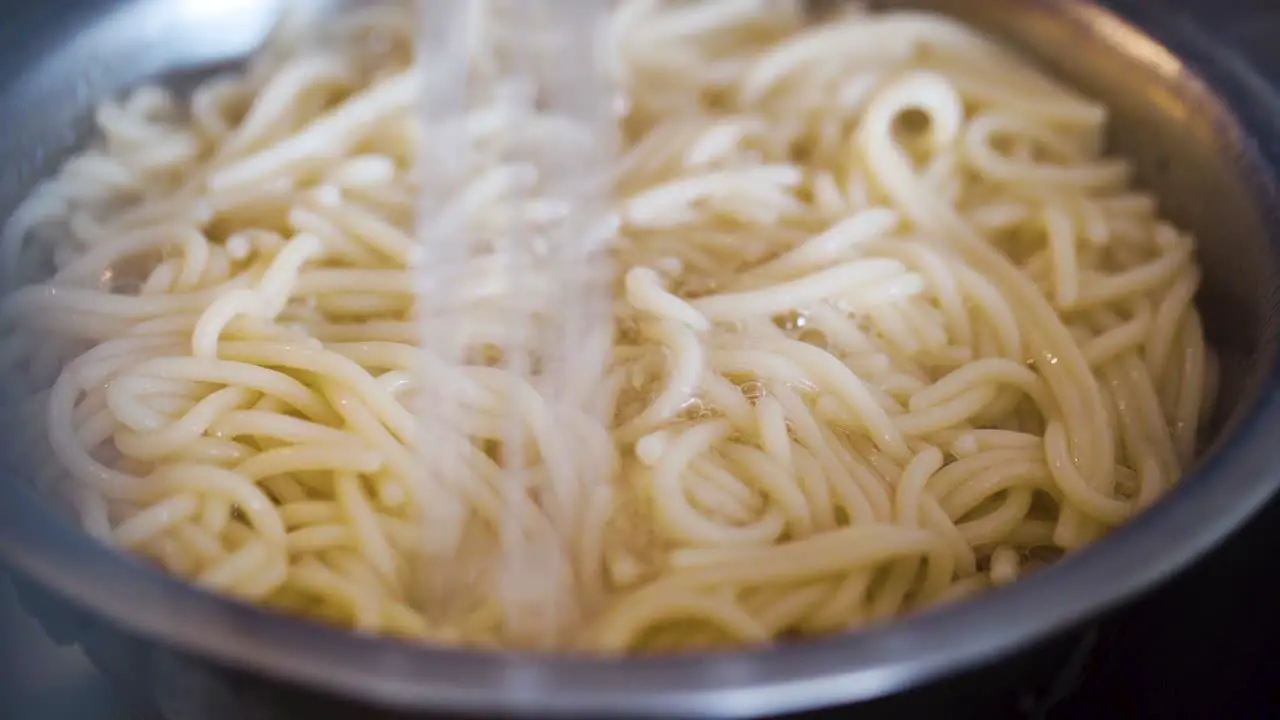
{"x":41,"y":681}
{"x":1207,"y":140}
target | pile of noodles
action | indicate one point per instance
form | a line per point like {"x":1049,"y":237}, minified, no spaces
{"x":889,"y":329}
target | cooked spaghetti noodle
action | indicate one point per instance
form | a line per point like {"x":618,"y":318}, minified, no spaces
{"x":890,"y":330}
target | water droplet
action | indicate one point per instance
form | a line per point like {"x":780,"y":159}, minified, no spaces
{"x":792,"y":321}
{"x":817,"y":338}
{"x":695,"y":408}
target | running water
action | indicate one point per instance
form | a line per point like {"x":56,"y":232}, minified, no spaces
{"x":518,"y":135}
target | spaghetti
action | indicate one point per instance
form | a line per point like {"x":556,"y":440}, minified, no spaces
{"x":890,"y":329}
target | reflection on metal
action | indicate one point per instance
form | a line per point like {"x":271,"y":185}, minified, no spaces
{"x":1139,"y":47}
{"x":1143,"y":50}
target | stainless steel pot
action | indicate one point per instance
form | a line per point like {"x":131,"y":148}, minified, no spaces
{"x":1205,"y":132}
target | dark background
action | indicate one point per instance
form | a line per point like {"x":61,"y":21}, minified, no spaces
{"x":1205,"y":646}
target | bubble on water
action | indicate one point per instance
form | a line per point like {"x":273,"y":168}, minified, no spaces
{"x":816,"y":338}
{"x":793,"y":321}
{"x":695,"y":408}
{"x":791,"y":431}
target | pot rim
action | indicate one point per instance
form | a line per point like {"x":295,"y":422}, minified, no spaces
{"x":1228,"y":487}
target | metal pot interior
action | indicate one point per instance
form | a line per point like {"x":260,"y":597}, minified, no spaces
{"x":1187,"y":143}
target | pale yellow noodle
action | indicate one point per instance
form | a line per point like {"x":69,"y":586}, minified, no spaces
{"x":887,"y":323}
